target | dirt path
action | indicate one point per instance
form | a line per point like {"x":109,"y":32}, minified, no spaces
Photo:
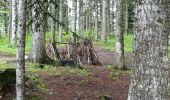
{"x":7,"y":57}
{"x":105,"y":56}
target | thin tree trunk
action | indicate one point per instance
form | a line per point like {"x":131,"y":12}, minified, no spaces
{"x":75,"y":19}
{"x":20,"y":69}
{"x":67,"y":16}
{"x":126,"y":18}
{"x":9,"y":26}
{"x":112,"y":17}
{"x":53,"y":25}
{"x":5,"y":19}
{"x":96,"y":19}
{"x":14,"y":21}
{"x":86,"y":20}
{"x":120,"y":31}
{"x":61,"y":19}
{"x":103,"y":34}
{"x":149,"y":79}
{"x":108,"y":19}
{"x":57,"y":16}
{"x":80,"y":16}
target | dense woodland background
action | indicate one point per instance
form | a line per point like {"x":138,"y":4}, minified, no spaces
{"x":84,"y":49}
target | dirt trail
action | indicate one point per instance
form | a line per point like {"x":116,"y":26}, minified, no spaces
{"x":7,"y":57}
{"x":105,"y":56}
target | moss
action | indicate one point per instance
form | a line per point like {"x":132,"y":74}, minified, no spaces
{"x":33,"y":68}
{"x":38,"y":82}
{"x":114,"y":72}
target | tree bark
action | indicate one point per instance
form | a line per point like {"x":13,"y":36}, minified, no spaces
{"x":108,"y":19}
{"x":120,"y":31}
{"x":103,"y":34}
{"x":74,"y":19}
{"x":81,"y":16}
{"x":60,"y":19}
{"x":5,"y":19}
{"x":38,"y":53}
{"x":149,"y":79}
{"x":9,"y":25}
{"x":20,"y":69}
{"x":96,"y":19}
{"x":53,"y":25}
{"x":14,"y":21}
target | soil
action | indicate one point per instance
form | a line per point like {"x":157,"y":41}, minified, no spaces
{"x":98,"y":86}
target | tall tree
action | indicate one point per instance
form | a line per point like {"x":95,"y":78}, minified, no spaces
{"x":9,"y":25}
{"x":60,"y":19}
{"x":20,"y":69}
{"x":108,"y":20}
{"x":112,"y":16}
{"x":149,"y":79}
{"x":53,"y":23}
{"x":103,"y":27}
{"x":5,"y":17}
{"x":120,"y":31}
{"x":67,"y":16}
{"x":38,"y":53}
{"x":14,"y":21}
{"x":96,"y":19}
{"x":74,"y":19}
{"x":131,"y":9}
{"x":80,"y":16}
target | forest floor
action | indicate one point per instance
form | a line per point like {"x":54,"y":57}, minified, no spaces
{"x":95,"y":83}
{"x":99,"y":85}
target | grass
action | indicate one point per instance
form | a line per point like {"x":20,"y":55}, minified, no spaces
{"x":67,"y":37}
{"x":57,"y":71}
{"x":114,"y":73}
{"x":34,"y":73}
{"x":110,"y":43}
{"x":6,"y":48}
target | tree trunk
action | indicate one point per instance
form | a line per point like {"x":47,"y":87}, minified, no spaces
{"x":80,"y":16}
{"x":14,"y":22}
{"x":9,"y":26}
{"x":112,"y":16}
{"x":53,"y":23}
{"x":108,"y":19}
{"x":38,"y":53}
{"x":61,"y":19}
{"x":57,"y":15}
{"x":67,"y":15}
{"x":20,"y":69}
{"x":96,"y":19}
{"x":126,"y":17}
{"x":86,"y":20}
{"x":74,"y":19}
{"x":149,"y":79}
{"x":5,"y":19}
{"x":103,"y":34}
{"x":120,"y":31}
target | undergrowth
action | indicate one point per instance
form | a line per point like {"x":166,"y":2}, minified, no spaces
{"x":114,"y":72}
{"x":110,"y":43}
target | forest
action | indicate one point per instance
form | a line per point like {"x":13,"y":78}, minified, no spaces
{"x":84,"y":50}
